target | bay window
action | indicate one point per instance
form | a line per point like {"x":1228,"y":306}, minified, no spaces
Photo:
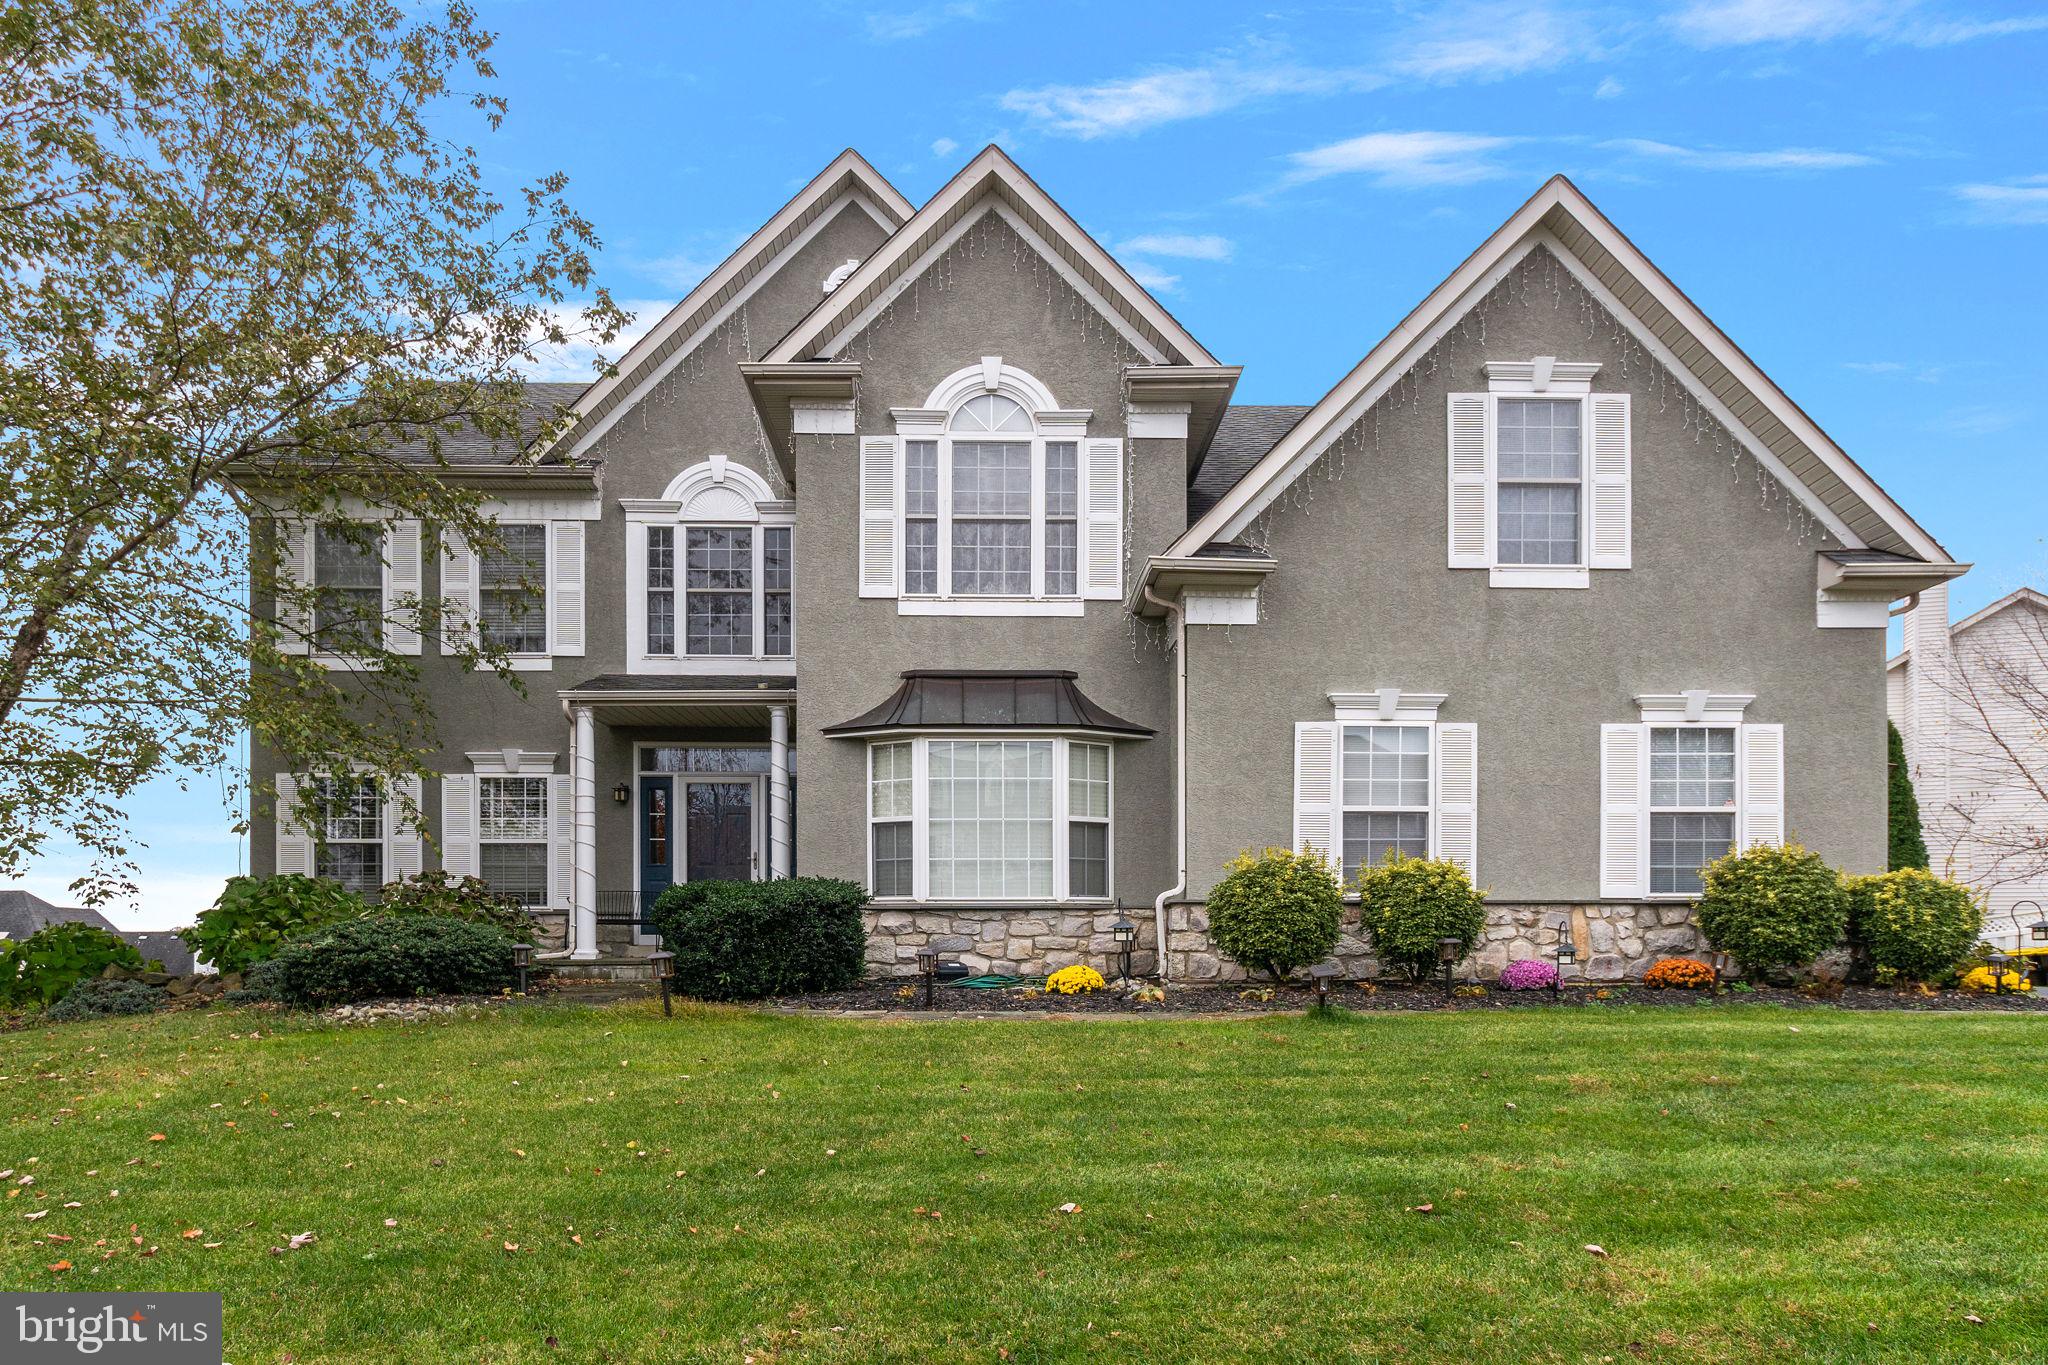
{"x":990,"y":818}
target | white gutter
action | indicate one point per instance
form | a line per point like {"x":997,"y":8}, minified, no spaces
{"x":1180,"y":770}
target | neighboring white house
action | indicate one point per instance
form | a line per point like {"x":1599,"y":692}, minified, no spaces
{"x":1971,"y":702}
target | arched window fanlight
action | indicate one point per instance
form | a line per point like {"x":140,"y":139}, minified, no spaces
{"x":991,"y":413}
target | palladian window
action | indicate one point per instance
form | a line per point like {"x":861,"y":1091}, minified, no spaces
{"x":990,"y":508}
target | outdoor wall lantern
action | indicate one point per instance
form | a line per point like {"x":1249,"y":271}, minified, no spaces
{"x":1567,"y":954}
{"x":665,"y":972}
{"x":522,"y":958}
{"x":1322,"y":974}
{"x":1448,"y":951}
{"x":928,"y":968}
{"x":622,"y":793}
{"x":1125,"y":934}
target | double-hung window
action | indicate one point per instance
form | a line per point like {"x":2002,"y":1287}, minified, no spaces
{"x":512,"y":837}
{"x":351,"y":849}
{"x":1537,"y":488}
{"x":720,"y":591}
{"x":1385,"y":794}
{"x":991,"y":509}
{"x":1692,"y":804}
{"x":348,"y":576}
{"x":512,"y":591}
{"x":995,"y":818}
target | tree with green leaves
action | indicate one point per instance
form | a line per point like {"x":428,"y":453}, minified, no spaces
{"x":1908,"y":847}
{"x":245,"y":256}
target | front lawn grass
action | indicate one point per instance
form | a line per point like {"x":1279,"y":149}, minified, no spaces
{"x":1766,"y":1185}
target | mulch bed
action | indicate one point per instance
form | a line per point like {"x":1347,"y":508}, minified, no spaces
{"x":1244,"y":998}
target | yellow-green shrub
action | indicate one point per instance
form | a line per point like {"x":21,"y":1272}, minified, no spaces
{"x":1772,"y":906}
{"x":1407,"y":904}
{"x":1277,"y":911}
{"x":1911,"y":922}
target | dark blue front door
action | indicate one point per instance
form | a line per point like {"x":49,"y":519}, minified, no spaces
{"x":658,"y":835}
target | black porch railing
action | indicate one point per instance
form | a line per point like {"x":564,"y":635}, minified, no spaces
{"x":625,"y":907}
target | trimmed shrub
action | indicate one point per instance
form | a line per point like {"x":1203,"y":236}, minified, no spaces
{"x":43,"y":967}
{"x":255,"y":915}
{"x":1772,"y":907}
{"x":392,"y":955}
{"x":1407,"y":904}
{"x":1528,"y":974}
{"x":1679,"y":974}
{"x":1908,"y":847}
{"x":748,"y":940}
{"x":1277,"y":911}
{"x":1911,"y":923}
{"x":98,"y":995}
{"x":435,"y":892}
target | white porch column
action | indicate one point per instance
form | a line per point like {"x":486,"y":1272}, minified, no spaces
{"x":781,"y":838}
{"x":583,"y":768}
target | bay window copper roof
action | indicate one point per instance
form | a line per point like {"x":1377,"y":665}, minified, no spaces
{"x":980,"y":699}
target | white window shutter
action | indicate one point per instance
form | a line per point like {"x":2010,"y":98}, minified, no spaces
{"x":1471,"y":470}
{"x":294,"y":844}
{"x":1607,"y":542}
{"x":1102,"y":532}
{"x":1624,"y":801}
{"x":1762,"y":784}
{"x":408,"y":852}
{"x":458,"y":825}
{"x":458,"y":592}
{"x":1457,"y":796}
{"x":294,"y":541}
{"x":565,"y":588}
{"x":880,"y":568}
{"x":562,"y":843}
{"x":1315,"y":791}
{"x":402,"y":585}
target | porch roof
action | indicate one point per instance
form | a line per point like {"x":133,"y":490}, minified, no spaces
{"x":976,"y":699}
{"x":736,"y":701}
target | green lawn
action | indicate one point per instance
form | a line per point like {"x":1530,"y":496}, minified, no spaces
{"x":1768,"y":1185}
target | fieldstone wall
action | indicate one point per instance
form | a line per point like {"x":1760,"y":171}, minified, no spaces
{"x":1615,"y":941}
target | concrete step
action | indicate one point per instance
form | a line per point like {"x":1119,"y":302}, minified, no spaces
{"x":634,"y":968}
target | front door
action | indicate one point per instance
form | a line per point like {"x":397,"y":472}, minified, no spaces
{"x":657,"y":837}
{"x":720,"y":835}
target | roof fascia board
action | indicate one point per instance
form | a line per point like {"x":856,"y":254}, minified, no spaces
{"x":2016,"y":597}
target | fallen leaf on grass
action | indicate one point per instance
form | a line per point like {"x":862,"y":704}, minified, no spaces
{"x":577,"y":1238}
{"x":1600,"y":1251}
{"x":922,"y":1212}
{"x":390,"y":1222}
{"x":511,"y":1246}
{"x":60,"y":1265}
{"x":1423,"y":1208}
{"x":1070,"y":1208}
{"x":39,"y":1213}
{"x":158,"y":1137}
{"x":1973,"y":1319}
{"x":189,"y":1233}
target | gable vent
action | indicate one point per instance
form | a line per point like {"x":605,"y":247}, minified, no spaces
{"x":841,"y":273}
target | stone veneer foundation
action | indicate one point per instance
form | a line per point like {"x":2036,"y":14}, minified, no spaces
{"x":1615,"y":941}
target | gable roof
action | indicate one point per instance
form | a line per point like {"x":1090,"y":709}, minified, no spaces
{"x":1769,"y":425}
{"x":848,"y":177}
{"x":990,"y":176}
{"x":23,"y":912}
{"x":2029,"y":597}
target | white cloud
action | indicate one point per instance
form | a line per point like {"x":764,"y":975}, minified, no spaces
{"x":1402,"y":160}
{"x":1721,"y":159}
{"x":1206,"y":247}
{"x":1491,"y":41}
{"x":944,"y":146}
{"x":1153,"y":278}
{"x":1608,"y":89}
{"x":680,"y":271}
{"x":576,"y":361}
{"x":902,"y":24}
{"x":1921,"y":374}
{"x":1734,"y":23}
{"x":1135,"y":103}
{"x":2022,"y":202}
{"x":1983,"y":419}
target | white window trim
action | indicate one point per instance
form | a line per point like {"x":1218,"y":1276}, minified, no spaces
{"x":328,"y":659}
{"x":1696,"y":708}
{"x":1386,"y":704}
{"x":512,"y":762}
{"x":715,"y":494}
{"x":920,"y":817}
{"x":1339,"y":809}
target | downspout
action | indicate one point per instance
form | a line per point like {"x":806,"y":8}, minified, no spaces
{"x":1180,"y":770}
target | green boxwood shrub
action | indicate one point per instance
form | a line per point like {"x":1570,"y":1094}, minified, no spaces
{"x":1276,"y":911}
{"x":1407,"y":904}
{"x":255,"y":915}
{"x":749,"y":940}
{"x":1772,"y":907}
{"x":43,"y":967}
{"x":435,"y":892}
{"x":1912,"y":923}
{"x":392,"y":955}
{"x":98,"y":995}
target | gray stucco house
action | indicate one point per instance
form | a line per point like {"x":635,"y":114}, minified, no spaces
{"x":921,"y":546}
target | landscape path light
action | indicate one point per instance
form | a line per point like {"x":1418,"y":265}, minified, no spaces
{"x":928,"y":968}
{"x":1448,"y":951}
{"x":1124,"y":934}
{"x":1567,"y":954}
{"x":1322,"y":974}
{"x":522,"y":958}
{"x":665,"y":972}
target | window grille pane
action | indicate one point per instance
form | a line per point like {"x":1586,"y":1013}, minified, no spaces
{"x":891,"y":778}
{"x":1538,"y":523}
{"x":512,"y":808}
{"x":1368,"y":835}
{"x":991,"y":412}
{"x":512,"y":592}
{"x":1681,"y":844}
{"x":992,"y":557}
{"x":718,"y":598}
{"x":359,"y":867}
{"x":991,"y":479}
{"x":775,"y":558}
{"x":720,"y":557}
{"x":351,"y":810}
{"x":519,"y":871}
{"x":921,"y":557}
{"x":1538,"y":438}
{"x":777,"y":625}
{"x":1062,"y":486}
{"x":1386,"y":765}
{"x":894,"y":862}
{"x":921,"y":479}
{"x":348,"y":609}
{"x":1087,"y":859}
{"x":991,"y":818}
{"x":661,"y":596}
{"x":1088,"y":781}
{"x":778,"y":605}
{"x":1062,"y":559}
{"x":1692,"y":768}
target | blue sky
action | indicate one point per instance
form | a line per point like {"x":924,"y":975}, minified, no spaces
{"x":1855,"y":190}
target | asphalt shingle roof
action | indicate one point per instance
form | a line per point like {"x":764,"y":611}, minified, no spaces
{"x":22,"y":913}
{"x":1242,"y":439}
{"x":538,"y":403}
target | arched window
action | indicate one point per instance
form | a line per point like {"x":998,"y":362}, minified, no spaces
{"x":990,"y":506}
{"x":714,"y":560}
